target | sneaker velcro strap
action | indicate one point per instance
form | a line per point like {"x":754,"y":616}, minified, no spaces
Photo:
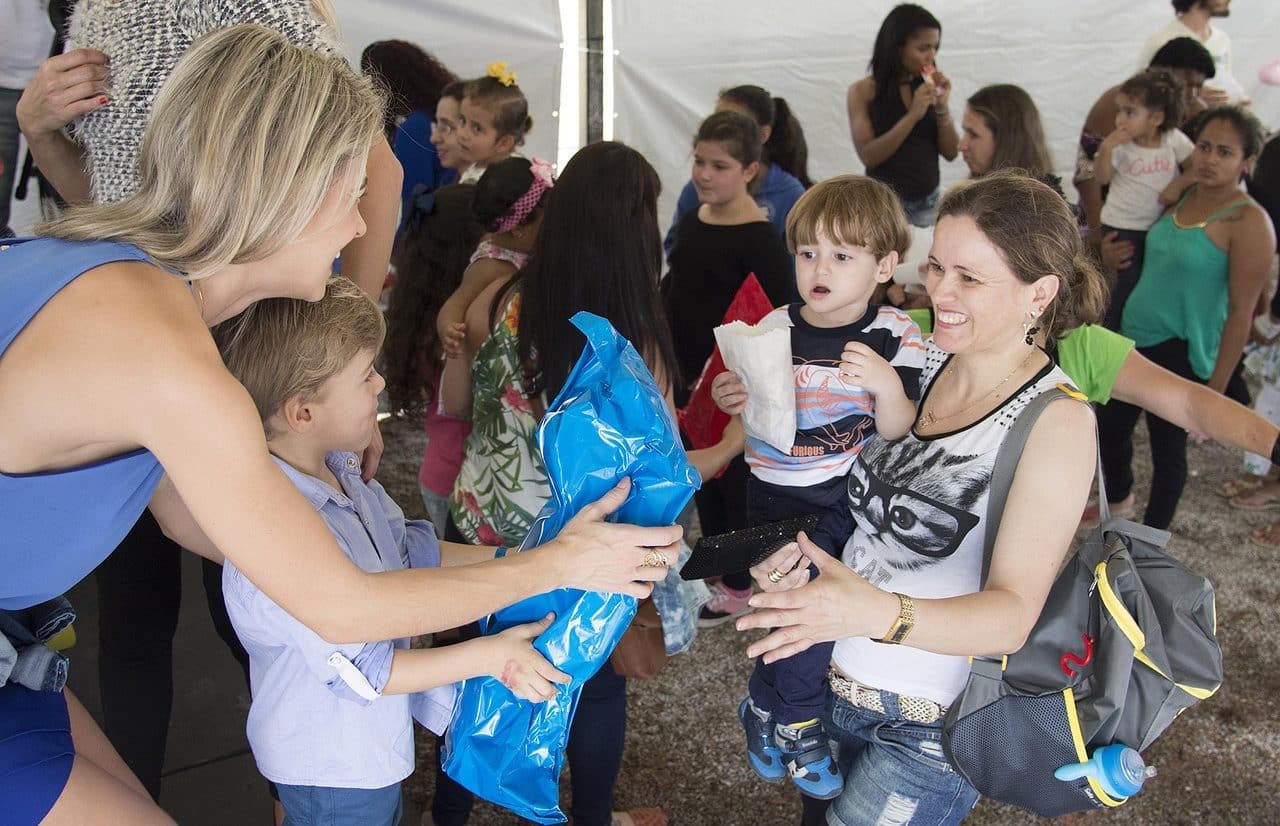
{"x":915,"y":709}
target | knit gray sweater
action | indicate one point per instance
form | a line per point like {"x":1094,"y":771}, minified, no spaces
{"x":144,"y":40}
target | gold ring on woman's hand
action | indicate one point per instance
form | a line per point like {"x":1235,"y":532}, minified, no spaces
{"x":775,"y":576}
{"x":654,"y":559}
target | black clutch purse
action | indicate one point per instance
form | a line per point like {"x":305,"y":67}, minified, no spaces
{"x":729,"y":553}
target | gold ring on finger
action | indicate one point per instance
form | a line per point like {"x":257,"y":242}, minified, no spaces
{"x":654,"y":559}
{"x":775,"y":576}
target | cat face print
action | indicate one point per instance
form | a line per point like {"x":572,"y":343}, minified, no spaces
{"x":914,"y":503}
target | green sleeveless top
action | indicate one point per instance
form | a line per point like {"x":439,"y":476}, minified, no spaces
{"x":1182,"y":292}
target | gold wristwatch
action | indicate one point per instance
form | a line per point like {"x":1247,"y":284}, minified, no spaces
{"x":904,"y":623}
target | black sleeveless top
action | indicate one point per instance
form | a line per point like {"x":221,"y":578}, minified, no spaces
{"x":912,"y":171}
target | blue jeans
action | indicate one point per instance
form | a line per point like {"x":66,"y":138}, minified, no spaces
{"x":437,"y":508}
{"x":328,"y":806}
{"x":894,"y":769}
{"x":8,"y":152}
{"x":922,"y":212}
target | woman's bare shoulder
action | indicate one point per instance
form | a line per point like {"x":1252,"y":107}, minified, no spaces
{"x":862,"y":90}
{"x":106,"y":362}
{"x":133,"y":309}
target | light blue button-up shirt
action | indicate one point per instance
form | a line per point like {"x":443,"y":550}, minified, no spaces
{"x":316,"y":718}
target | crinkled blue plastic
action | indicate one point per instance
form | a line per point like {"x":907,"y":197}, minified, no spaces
{"x":609,"y":421}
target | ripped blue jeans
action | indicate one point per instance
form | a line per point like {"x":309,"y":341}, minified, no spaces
{"x":895,"y":771}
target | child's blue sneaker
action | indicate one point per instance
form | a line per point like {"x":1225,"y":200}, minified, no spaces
{"x":762,"y":753}
{"x":806,"y":752}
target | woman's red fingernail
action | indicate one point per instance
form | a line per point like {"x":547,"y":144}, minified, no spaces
{"x":102,"y":99}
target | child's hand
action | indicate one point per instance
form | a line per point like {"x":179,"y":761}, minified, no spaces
{"x":729,"y":393}
{"x":519,"y":666}
{"x":451,"y":339}
{"x":1118,"y":136}
{"x":1116,"y":254}
{"x":867,"y":368}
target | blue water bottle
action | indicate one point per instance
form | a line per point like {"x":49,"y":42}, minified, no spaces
{"x":1119,"y":769}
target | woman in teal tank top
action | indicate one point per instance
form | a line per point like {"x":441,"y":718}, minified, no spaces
{"x":1206,"y":262}
{"x":252,"y":169}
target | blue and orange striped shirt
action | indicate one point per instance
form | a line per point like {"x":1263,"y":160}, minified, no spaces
{"x":834,"y":416}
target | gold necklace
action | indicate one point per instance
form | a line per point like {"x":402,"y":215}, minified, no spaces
{"x":929,"y":419}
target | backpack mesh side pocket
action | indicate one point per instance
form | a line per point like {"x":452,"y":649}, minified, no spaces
{"x":1038,"y":733}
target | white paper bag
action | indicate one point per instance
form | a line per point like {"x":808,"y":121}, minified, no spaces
{"x":761,"y":356}
{"x":908,"y":272}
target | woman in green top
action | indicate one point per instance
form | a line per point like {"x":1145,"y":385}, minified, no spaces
{"x":1105,"y":367}
{"x":1207,"y":260}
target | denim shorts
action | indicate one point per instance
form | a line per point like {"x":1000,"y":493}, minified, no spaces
{"x":329,"y":806}
{"x":894,"y":769}
{"x":922,"y":212}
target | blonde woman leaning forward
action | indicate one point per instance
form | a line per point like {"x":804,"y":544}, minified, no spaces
{"x":1006,"y":260}
{"x":104,"y":88}
{"x":107,"y":416}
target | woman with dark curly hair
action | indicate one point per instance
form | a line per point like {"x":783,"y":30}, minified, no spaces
{"x":414,"y":81}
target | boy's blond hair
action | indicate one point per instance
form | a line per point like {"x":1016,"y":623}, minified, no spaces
{"x":853,"y":210}
{"x":283,"y":347}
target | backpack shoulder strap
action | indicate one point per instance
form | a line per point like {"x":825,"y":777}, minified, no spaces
{"x":1007,"y":458}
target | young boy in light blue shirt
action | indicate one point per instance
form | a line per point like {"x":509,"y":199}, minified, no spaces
{"x":331,"y":725}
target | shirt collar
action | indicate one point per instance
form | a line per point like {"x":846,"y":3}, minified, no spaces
{"x":344,"y":465}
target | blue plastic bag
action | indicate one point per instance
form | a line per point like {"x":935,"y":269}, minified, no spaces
{"x":609,"y":421}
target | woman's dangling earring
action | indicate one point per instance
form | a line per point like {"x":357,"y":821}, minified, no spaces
{"x":1030,"y":328}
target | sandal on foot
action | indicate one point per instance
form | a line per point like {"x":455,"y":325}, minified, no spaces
{"x":1267,"y":538}
{"x":1239,"y":487}
{"x":1258,"y":500}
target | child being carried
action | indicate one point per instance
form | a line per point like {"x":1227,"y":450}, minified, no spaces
{"x":856,"y":368}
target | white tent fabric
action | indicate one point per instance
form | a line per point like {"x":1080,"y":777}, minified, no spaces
{"x":672,"y":58}
{"x":466,"y":37}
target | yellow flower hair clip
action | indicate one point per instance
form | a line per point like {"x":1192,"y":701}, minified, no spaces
{"x":498,"y":71}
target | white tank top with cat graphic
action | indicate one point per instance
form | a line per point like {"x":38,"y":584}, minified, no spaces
{"x":919,"y":506}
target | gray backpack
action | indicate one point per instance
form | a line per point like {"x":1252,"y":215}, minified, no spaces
{"x":1126,"y":641}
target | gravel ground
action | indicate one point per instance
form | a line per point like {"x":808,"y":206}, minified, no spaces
{"x":1220,"y":763}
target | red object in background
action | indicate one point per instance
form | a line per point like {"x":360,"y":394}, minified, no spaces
{"x":700,"y":419}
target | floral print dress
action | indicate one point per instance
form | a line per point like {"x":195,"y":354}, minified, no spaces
{"x":503,"y":482}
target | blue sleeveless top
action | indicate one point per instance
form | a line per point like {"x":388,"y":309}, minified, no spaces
{"x":55,"y":527}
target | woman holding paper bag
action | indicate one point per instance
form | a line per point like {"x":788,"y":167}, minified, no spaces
{"x":908,"y":607}
{"x":717,"y":246}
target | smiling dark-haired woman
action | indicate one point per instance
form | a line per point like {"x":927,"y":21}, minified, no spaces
{"x":908,"y":606}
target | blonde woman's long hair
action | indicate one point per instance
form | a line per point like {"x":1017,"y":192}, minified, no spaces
{"x":324,"y":12}
{"x":245,"y":139}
